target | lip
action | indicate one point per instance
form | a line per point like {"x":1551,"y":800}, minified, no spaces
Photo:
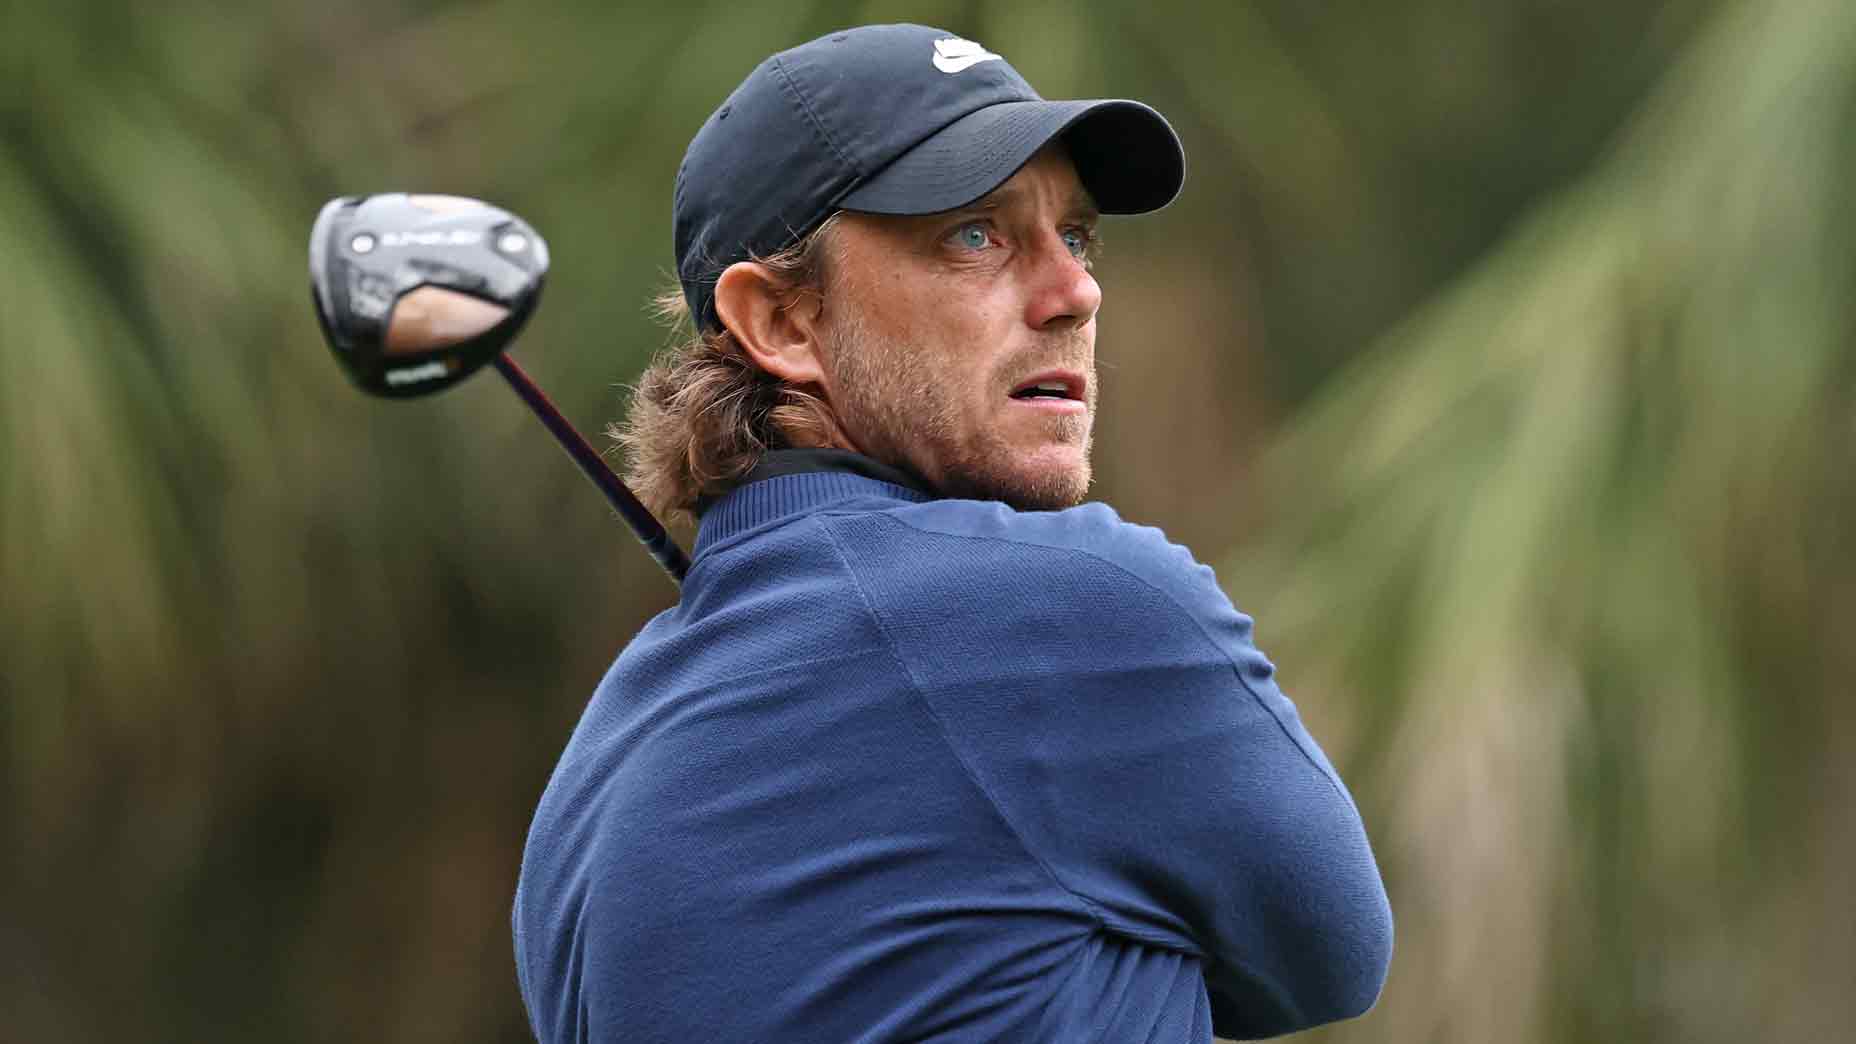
{"x":1074,"y":387}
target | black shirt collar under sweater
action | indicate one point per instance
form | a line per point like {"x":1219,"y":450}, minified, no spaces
{"x":805,"y":461}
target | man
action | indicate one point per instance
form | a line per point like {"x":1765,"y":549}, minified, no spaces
{"x":926,"y":750}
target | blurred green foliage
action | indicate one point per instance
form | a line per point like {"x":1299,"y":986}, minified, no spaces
{"x":1574,"y":545}
{"x":1501,"y":351}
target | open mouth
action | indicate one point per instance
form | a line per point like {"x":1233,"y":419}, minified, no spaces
{"x":1050,"y":387}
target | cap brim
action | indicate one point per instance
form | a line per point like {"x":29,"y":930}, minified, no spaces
{"x":1126,"y":156}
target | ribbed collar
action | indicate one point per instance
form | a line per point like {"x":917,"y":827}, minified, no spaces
{"x":792,"y":482}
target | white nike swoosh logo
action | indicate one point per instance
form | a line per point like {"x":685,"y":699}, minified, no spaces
{"x":954,"y":54}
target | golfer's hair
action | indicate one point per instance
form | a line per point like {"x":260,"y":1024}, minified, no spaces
{"x":702,"y":414}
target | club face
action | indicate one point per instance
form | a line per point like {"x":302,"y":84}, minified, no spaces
{"x":416,"y":292}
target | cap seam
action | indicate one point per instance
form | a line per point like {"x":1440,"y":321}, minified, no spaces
{"x":805,"y":106}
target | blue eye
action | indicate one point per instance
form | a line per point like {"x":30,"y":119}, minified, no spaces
{"x":973,"y":236}
{"x":1077,"y":240}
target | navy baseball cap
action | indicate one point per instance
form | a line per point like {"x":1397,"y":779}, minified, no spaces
{"x":890,"y":119}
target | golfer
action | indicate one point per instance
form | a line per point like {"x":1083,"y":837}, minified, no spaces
{"x":930,"y":749}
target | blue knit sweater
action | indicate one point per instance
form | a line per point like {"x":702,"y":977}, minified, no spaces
{"x":899,"y":768}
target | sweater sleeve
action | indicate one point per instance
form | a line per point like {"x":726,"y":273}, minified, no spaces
{"x":1106,"y":695}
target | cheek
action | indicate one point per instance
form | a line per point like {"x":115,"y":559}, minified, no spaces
{"x":947,"y":335}
{"x":940,"y":301}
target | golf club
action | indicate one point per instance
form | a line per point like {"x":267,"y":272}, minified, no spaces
{"x":417,"y":292}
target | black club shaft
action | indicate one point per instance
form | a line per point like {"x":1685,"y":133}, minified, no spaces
{"x":649,"y":530}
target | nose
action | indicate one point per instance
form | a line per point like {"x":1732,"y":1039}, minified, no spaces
{"x":1062,"y":290}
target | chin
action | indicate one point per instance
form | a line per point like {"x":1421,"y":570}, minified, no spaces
{"x":1045,"y":482}
{"x":1049,"y":494}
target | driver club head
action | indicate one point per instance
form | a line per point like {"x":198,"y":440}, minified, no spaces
{"x":416,"y":292}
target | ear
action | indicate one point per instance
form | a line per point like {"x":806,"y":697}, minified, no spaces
{"x":779,"y":330}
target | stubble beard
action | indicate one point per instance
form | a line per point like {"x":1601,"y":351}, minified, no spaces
{"x":888,"y":397}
